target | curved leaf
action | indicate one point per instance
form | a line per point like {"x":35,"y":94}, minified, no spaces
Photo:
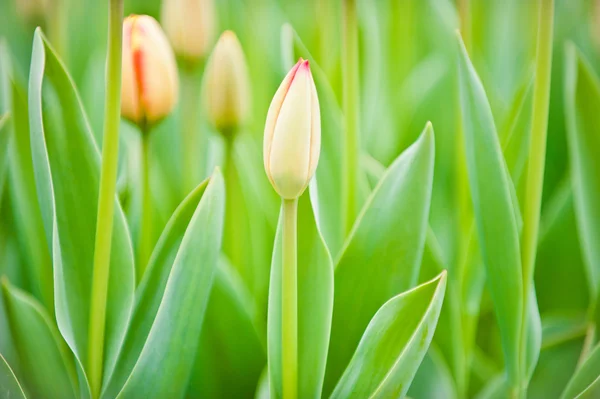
{"x":383,"y":253}
{"x":9,"y":385}
{"x":394,"y":344}
{"x":66,"y":162}
{"x":494,"y":210}
{"x":315,"y":303}
{"x":47,"y":367}
{"x":582,"y":102}
{"x":170,"y":347}
{"x":585,"y":383}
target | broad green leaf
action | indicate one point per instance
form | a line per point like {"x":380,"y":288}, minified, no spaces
{"x":230,"y":349}
{"x":329,"y":171}
{"x":494,"y":211}
{"x":434,"y":378}
{"x":582,"y":102}
{"x":9,"y":385}
{"x":47,"y":366}
{"x":151,"y":290}
{"x":559,"y":328}
{"x":382,"y":256}
{"x":315,"y":303}
{"x":169,"y":349}
{"x":585,"y":383}
{"x":29,"y":227}
{"x":394,"y":344}
{"x":66,"y":162}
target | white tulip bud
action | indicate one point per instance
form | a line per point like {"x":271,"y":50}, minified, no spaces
{"x":190,"y":26}
{"x":292,"y":141}
{"x":150,"y":83}
{"x":227,"y":85}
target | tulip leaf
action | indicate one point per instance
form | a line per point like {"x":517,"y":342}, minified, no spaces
{"x":394,"y":344}
{"x":582,"y":102}
{"x":47,"y":366}
{"x":315,"y":303}
{"x":382,"y":256}
{"x":329,"y":171}
{"x":230,"y":349}
{"x":66,"y":162}
{"x":29,"y":227}
{"x":494,"y":210}
{"x":178,"y":281}
{"x":9,"y":385}
{"x":585,"y":383}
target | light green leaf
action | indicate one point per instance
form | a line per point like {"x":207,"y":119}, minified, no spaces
{"x":66,"y":162}
{"x":170,"y":347}
{"x":230,"y":357}
{"x":47,"y":366}
{"x":394,"y":344}
{"x":151,"y":290}
{"x":582,"y":105}
{"x":315,"y":303}
{"x":328,"y":175}
{"x":29,"y":227}
{"x":9,"y":385}
{"x":494,"y":211}
{"x":382,"y":256}
{"x":585,"y":383}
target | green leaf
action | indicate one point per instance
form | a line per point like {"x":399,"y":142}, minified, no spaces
{"x":328,"y":175}
{"x":29,"y":227}
{"x":47,"y":366}
{"x":394,"y":344}
{"x":315,"y":303}
{"x":585,"y":383}
{"x":9,"y":385}
{"x":169,"y":347}
{"x":230,"y":349}
{"x":582,"y":102}
{"x":66,"y":162}
{"x":382,"y":256}
{"x":494,"y":211}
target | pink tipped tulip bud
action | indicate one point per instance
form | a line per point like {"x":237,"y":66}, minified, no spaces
{"x":292,"y":140}
{"x":149,"y":81}
{"x":190,"y":26}
{"x":226,"y":85}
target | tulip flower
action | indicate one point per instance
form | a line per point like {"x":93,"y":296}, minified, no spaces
{"x":190,"y":26}
{"x":149,"y":77}
{"x":226,"y":85}
{"x":292,"y":139}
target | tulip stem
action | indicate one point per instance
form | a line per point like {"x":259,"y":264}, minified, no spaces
{"x":351,"y":111}
{"x":146,"y":223}
{"x":289,"y":295}
{"x":536,"y":162}
{"x":192,"y":142}
{"x":106,"y":200}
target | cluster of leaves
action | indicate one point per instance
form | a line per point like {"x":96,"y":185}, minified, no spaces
{"x":196,"y":323}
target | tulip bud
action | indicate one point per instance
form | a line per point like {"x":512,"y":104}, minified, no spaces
{"x":190,"y":26}
{"x":292,"y":140}
{"x":149,"y":81}
{"x":226,"y":85}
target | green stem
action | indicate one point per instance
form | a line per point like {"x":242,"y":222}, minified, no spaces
{"x":146,"y":223}
{"x":537,"y":157}
{"x":106,"y":200}
{"x":192,"y":139}
{"x":351,"y":110}
{"x":289,"y":290}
